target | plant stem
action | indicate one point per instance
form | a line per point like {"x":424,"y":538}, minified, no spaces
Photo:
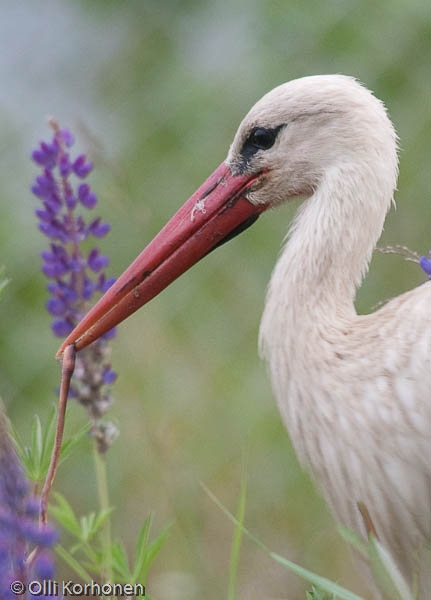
{"x":67,"y":369}
{"x":103,"y":493}
{"x":237,"y":536}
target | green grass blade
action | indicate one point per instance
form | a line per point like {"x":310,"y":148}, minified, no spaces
{"x":354,"y":540}
{"x":237,"y":538}
{"x":3,"y":280}
{"x":321,"y":582}
{"x":386,"y":572}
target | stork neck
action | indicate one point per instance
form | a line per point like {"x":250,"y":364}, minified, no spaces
{"x":331,"y":242}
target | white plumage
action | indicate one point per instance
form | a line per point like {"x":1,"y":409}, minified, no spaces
{"x":353,"y":390}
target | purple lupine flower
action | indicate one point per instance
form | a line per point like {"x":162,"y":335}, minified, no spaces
{"x":20,"y":533}
{"x":75,"y":270}
{"x":425,"y":263}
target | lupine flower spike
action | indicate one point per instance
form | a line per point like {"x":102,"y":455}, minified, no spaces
{"x":75,"y":269}
{"x":20,"y":534}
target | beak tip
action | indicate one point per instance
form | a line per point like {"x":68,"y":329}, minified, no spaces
{"x":60,"y":352}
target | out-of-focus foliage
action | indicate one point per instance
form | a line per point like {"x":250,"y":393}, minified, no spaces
{"x":157,"y":90}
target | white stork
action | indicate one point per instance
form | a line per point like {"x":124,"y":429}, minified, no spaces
{"x":353,"y":390}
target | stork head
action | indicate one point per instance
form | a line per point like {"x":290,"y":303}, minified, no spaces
{"x":283,"y":148}
{"x":303,"y":129}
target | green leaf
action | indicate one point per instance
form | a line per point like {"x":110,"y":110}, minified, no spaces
{"x":36,"y":457}
{"x":101,"y":518}
{"x":32,"y":456}
{"x":317,"y":594}
{"x":141,"y":547}
{"x":145,"y":553}
{"x":144,"y":534}
{"x":94,"y":557}
{"x":87,"y":522}
{"x":83,"y":530}
{"x":36,"y":443}
{"x":70,"y":444}
{"x":73,"y":563}
{"x":18,"y":443}
{"x":47,"y":442}
{"x":141,"y":567}
{"x":120,"y":563}
{"x":91,"y":523}
{"x":65,"y":515}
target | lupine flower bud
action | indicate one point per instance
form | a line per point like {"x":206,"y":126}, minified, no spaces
{"x":425,"y":263}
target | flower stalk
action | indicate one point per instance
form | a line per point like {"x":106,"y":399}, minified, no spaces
{"x":68,"y":367}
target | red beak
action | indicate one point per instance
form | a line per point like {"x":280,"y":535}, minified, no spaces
{"x":216,"y":212}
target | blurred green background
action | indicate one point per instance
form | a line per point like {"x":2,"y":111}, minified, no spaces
{"x":154,"y":91}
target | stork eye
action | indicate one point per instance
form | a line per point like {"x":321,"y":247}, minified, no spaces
{"x":263,"y":138}
{"x":260,"y":138}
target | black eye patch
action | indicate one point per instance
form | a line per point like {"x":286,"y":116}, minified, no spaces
{"x":260,"y":138}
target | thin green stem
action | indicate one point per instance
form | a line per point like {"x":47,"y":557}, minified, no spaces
{"x":237,"y":536}
{"x":103,"y":493}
